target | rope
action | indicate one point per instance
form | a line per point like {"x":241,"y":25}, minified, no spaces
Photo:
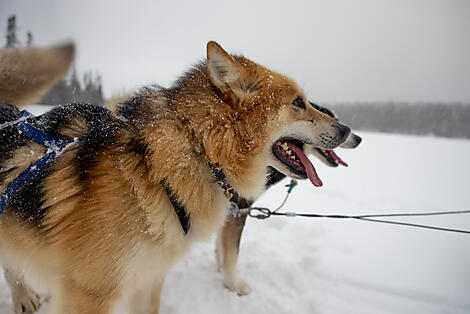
{"x":290,"y":187}
{"x":264,"y":213}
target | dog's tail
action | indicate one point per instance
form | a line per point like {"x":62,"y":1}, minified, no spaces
{"x":26,"y":74}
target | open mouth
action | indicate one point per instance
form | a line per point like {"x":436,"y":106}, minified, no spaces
{"x":331,"y":157}
{"x":290,"y":153}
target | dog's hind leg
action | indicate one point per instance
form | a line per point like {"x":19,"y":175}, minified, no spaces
{"x":228,"y":244}
{"x":24,"y":299}
{"x":147,"y":301}
{"x":218,"y":251}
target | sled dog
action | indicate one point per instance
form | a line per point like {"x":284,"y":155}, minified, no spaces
{"x":229,"y":237}
{"x":129,"y":193}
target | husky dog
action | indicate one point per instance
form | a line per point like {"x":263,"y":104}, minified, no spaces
{"x":229,"y":237}
{"x":129,"y":194}
{"x":26,"y":74}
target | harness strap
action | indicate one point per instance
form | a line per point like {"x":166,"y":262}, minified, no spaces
{"x":183,"y":216}
{"x":218,"y":174}
{"x":55,"y":146}
{"x":40,"y":137}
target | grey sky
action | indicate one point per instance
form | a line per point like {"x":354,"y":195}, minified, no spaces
{"x":338,"y":50}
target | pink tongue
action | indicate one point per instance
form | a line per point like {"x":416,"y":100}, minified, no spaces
{"x":311,"y":172}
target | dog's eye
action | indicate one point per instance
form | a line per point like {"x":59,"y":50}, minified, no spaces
{"x":299,"y":103}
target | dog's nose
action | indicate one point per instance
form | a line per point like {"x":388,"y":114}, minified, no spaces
{"x":344,"y":132}
{"x":358,"y":140}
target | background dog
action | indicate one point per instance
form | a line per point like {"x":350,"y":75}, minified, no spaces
{"x":229,"y":237}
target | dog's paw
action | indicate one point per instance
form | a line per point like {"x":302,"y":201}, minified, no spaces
{"x":238,"y":286}
{"x":26,"y":303}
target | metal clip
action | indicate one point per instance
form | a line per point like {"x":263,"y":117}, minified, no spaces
{"x":236,"y":211}
{"x":263,"y":212}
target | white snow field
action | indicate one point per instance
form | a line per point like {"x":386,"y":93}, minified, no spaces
{"x":311,"y":265}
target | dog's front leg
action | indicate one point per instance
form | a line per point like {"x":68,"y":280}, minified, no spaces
{"x":147,"y":300}
{"x":228,"y":244}
{"x":24,"y":299}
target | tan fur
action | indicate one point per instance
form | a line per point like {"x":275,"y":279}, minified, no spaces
{"x":116,"y":233}
{"x":117,"y":99}
{"x":26,"y":74}
{"x":21,"y":160}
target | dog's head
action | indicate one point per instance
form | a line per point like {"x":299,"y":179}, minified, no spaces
{"x":275,"y":119}
{"x":328,"y":156}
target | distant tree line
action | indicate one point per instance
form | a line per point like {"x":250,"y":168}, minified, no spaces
{"x":70,"y":90}
{"x":447,"y":120}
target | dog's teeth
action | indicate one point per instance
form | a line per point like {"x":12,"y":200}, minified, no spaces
{"x":292,"y":157}
{"x":289,"y":151}
{"x":284,"y":146}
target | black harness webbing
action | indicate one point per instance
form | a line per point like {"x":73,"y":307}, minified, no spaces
{"x":183,"y":216}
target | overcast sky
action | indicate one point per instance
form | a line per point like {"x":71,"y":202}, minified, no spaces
{"x":338,"y":50}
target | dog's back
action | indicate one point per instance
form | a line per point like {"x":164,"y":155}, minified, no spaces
{"x":17,"y":151}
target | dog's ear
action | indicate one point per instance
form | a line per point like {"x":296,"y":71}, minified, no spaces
{"x":223,"y":71}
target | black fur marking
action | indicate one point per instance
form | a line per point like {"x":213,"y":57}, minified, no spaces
{"x":95,"y":116}
{"x":196,"y":71}
{"x":9,"y":113}
{"x":129,"y":109}
{"x":323,"y":109}
{"x":274,"y":177}
{"x":28,"y":200}
{"x":10,"y":138}
{"x":139,"y":147}
{"x":142,"y":107}
{"x":180,"y":210}
{"x":101,"y":133}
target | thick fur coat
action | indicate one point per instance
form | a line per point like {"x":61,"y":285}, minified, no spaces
{"x":99,"y":222}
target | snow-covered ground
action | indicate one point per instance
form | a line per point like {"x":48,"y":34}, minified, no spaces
{"x":303,"y":265}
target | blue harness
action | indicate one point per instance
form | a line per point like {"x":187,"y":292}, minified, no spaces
{"x":54,"y":147}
